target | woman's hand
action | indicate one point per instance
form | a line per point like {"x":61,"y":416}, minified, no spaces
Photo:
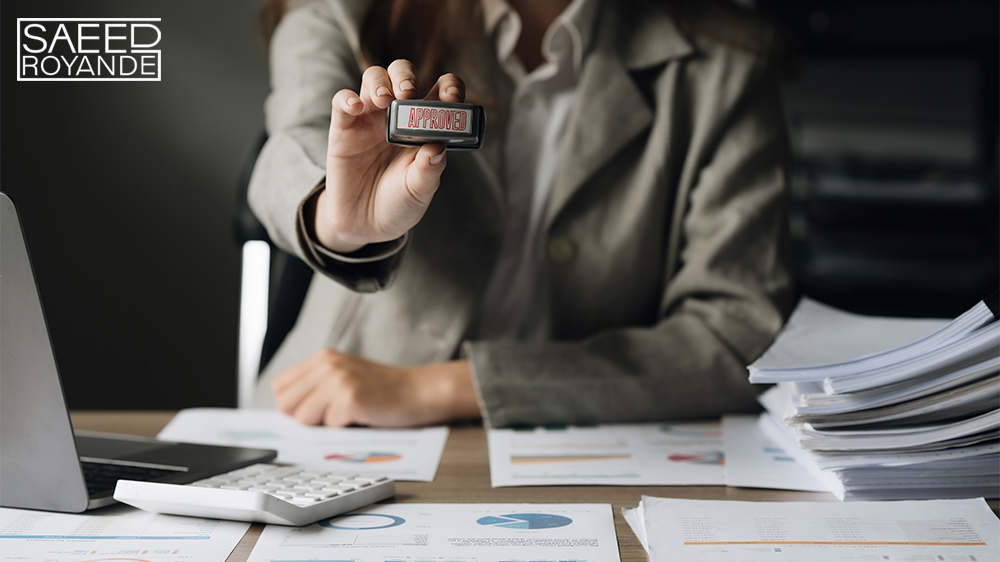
{"x":376,"y":191}
{"x":336,"y":389}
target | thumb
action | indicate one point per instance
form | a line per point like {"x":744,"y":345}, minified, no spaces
{"x":424,"y":174}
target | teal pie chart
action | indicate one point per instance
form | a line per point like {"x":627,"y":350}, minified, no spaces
{"x":525,"y":521}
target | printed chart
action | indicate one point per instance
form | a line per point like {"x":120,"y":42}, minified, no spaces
{"x":911,"y":531}
{"x":114,"y":534}
{"x":734,"y":452}
{"x":712,"y":459}
{"x":556,"y":459}
{"x":363,"y":522}
{"x":627,"y":454}
{"x":405,"y":454}
{"x":452,"y":532}
{"x":369,"y":457}
{"x":525,"y":521}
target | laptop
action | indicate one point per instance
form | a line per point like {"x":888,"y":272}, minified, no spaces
{"x":42,"y":462}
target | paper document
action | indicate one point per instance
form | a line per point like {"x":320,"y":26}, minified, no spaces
{"x":721,"y":531}
{"x":114,"y":533}
{"x":636,"y":519}
{"x":658,"y":454}
{"x":976,"y":347}
{"x":401,"y":454}
{"x":819,"y":335}
{"x":450,"y":532}
{"x":948,"y":402}
{"x":984,"y":425}
{"x":755,"y":461}
{"x":734,"y":452}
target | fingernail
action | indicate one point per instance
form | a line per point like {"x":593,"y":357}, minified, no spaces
{"x":452,"y":91}
{"x":351,"y":102}
{"x":407,"y":85}
{"x":436,"y":159}
{"x":383,"y":91}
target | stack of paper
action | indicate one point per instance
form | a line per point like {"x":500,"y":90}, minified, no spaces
{"x":888,"y":408}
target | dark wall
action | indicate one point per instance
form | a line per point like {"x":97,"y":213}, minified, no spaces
{"x":127,"y":192}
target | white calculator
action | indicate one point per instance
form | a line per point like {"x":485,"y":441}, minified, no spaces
{"x":264,"y":493}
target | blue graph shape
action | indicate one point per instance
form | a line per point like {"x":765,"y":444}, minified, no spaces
{"x":525,"y":521}
{"x":362,"y":522}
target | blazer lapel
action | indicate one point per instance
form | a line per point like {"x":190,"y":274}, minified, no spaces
{"x":610,"y":110}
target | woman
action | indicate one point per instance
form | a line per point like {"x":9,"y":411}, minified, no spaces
{"x":617,"y":251}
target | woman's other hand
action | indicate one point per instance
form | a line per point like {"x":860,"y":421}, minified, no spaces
{"x":376,"y":191}
{"x":337,"y":389}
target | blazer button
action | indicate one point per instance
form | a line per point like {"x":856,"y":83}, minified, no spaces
{"x":561,"y":249}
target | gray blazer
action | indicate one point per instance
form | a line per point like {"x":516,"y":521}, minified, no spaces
{"x":668,"y":265}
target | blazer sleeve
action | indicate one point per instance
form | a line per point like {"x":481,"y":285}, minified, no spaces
{"x":726,"y":300}
{"x":314,"y":55}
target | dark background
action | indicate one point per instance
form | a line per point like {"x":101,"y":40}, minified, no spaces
{"x":128,"y":190}
{"x":893,"y":116}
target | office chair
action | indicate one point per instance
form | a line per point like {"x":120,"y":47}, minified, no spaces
{"x":273,"y":286}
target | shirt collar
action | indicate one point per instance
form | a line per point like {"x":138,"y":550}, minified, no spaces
{"x":501,"y":22}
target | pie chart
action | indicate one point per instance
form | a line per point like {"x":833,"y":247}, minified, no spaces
{"x":525,"y":521}
{"x":363,"y":521}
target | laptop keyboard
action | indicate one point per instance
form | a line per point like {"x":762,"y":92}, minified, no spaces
{"x":102,"y":477}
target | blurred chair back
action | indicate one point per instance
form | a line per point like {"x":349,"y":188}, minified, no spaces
{"x":273,"y":286}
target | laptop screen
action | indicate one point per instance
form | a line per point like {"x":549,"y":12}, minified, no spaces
{"x":39,"y":466}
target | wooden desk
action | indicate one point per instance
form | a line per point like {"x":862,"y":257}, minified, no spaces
{"x":464,"y":477}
